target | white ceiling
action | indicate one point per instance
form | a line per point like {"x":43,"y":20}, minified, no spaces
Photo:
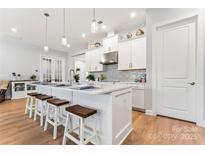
{"x":30,"y":24}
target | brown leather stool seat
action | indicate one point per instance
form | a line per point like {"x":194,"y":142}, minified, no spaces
{"x":57,"y":102}
{"x":33,"y":94}
{"x":81,"y":111}
{"x":43,"y":97}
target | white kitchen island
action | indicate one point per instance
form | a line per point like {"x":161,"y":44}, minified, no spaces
{"x":113,"y":120}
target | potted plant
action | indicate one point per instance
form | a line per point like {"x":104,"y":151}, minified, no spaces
{"x":90,"y":77}
{"x":76,"y":77}
{"x":33,"y":77}
{"x":13,"y":76}
{"x":19,"y":76}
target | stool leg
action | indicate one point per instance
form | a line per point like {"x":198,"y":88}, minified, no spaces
{"x":27,"y":104}
{"x":36,"y":108}
{"x":55,"y":124}
{"x":81,"y":131}
{"x":65,"y":129}
{"x":31,"y":107}
{"x":47,"y":114}
{"x":41,"y":117}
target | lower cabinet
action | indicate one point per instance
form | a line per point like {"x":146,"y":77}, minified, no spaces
{"x":21,"y":88}
{"x":138,"y":98}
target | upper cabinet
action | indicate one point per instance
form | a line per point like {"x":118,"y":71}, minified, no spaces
{"x":110,"y":44}
{"x":93,"y":60}
{"x":132,"y":54}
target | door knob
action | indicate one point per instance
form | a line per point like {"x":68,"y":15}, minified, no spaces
{"x":191,"y":83}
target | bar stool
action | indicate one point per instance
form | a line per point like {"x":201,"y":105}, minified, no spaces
{"x":41,"y":102}
{"x":81,"y":113}
{"x":30,"y":106}
{"x":57,"y":104}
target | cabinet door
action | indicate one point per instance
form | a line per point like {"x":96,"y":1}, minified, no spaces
{"x":88,"y":61}
{"x":124,"y":55}
{"x":93,"y":60}
{"x":138,"y":53}
{"x":138,"y":98}
{"x":96,"y":66}
{"x":110,"y":44}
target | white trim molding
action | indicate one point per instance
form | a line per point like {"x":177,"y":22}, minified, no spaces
{"x":199,"y":64}
{"x":150,"y":112}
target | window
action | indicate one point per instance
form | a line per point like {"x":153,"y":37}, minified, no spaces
{"x":52,"y":69}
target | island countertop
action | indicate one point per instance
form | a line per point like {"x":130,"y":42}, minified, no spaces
{"x":97,"y":90}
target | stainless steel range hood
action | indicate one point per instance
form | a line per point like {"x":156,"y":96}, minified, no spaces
{"x":109,"y":58}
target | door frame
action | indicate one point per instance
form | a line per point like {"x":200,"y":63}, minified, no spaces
{"x":199,"y":63}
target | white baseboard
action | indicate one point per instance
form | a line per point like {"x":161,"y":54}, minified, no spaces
{"x":201,"y":123}
{"x":150,"y":112}
{"x":125,"y":136}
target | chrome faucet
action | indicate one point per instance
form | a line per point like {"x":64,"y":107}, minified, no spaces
{"x":71,"y":78}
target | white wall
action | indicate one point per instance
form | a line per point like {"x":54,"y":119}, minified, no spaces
{"x":155,"y":16}
{"x":24,"y":59}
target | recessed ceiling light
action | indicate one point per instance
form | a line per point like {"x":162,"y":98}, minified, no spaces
{"x":14,"y":30}
{"x":104,"y":27}
{"x":83,"y":35}
{"x":132,"y":14}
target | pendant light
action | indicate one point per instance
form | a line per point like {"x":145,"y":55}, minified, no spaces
{"x":94,"y":24}
{"x":45,"y":48}
{"x":64,"y":39}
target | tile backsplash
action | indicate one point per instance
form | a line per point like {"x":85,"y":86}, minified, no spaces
{"x":112,"y":73}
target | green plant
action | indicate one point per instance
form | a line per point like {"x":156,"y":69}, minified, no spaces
{"x":102,"y":77}
{"x":76,"y":77}
{"x":90,"y":77}
{"x":33,"y":77}
{"x":77,"y":70}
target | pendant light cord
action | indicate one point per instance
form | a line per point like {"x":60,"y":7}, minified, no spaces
{"x":46,"y":29}
{"x":93,"y":13}
{"x":64,"y":21}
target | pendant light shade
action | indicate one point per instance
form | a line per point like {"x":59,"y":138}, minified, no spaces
{"x":45,"y":48}
{"x":63,"y":38}
{"x":94,"y":24}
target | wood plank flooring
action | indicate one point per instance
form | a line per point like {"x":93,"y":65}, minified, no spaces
{"x":17,"y":128}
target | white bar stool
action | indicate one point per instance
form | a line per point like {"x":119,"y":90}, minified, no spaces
{"x":30,"y":105}
{"x":57,"y":104}
{"x":81,"y":113}
{"x":41,"y":103}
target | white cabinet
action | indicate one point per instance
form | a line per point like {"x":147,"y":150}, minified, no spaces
{"x":138,"y":59}
{"x":138,"y":98}
{"x":124,"y":57}
{"x":88,"y":58}
{"x":93,"y":60}
{"x":21,"y":88}
{"x":110,"y":44}
{"x":132,"y":54}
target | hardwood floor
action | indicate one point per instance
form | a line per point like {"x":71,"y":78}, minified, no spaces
{"x":17,"y":128}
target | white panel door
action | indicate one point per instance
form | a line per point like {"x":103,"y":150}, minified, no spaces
{"x":124,"y":55}
{"x":176,"y":71}
{"x":138,"y":53}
